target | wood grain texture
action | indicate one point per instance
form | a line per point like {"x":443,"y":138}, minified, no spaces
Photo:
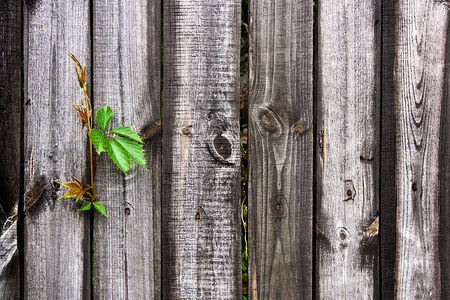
{"x":281,"y":150}
{"x":421,"y":32}
{"x":444,"y":177}
{"x":348,"y":147}
{"x":201,"y":190}
{"x":10,"y":148}
{"x":127,"y":55}
{"x":388,"y":197}
{"x":56,"y":237}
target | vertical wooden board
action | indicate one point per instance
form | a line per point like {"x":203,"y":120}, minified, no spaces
{"x":56,"y":237}
{"x":281,"y":150}
{"x":127,"y":53}
{"x":348,"y":149}
{"x":201,"y":190}
{"x":388,"y":197}
{"x":10,"y":148}
{"x":444,"y":177}
{"x":421,"y":32}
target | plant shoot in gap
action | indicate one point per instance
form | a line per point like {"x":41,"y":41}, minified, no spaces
{"x":121,"y":143}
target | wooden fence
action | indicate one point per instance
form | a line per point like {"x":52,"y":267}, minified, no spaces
{"x":349,"y":192}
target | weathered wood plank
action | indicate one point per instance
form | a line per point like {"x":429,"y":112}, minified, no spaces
{"x":421,"y":31}
{"x":127,"y":55}
{"x":281,"y":150}
{"x":56,"y":237}
{"x":444,"y":177}
{"x":10,"y":147}
{"x":348,"y":149}
{"x":201,"y":190}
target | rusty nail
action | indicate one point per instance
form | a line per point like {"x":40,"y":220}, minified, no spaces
{"x":278,"y":206}
{"x":349,"y":192}
{"x":54,"y":196}
{"x":197,"y":216}
{"x":127,"y":211}
{"x":414,"y":186}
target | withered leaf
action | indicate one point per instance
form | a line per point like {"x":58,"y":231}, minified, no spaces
{"x":31,"y":197}
{"x":82,"y":113}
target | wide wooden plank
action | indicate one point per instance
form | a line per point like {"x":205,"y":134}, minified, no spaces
{"x":10,"y":147}
{"x":127,"y":55}
{"x":201,"y":190}
{"x":421,"y":31}
{"x":56,"y":237}
{"x":281,"y":150}
{"x":348,"y":149}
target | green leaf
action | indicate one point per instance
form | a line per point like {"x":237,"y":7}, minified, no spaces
{"x":119,"y":155}
{"x":104,"y":115}
{"x":99,"y":206}
{"x":100,"y":140}
{"x":86,"y":206}
{"x":134,"y":150}
{"x":127,"y":132}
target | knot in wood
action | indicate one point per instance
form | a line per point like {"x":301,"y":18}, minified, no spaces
{"x":299,"y":127}
{"x":186,"y":129}
{"x":223,"y":146}
{"x":55,"y":184}
{"x":267,"y":122}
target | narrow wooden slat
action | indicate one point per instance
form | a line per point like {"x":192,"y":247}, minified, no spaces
{"x":388,"y":197}
{"x":421,"y":31}
{"x":348,"y":149}
{"x":201,"y":199}
{"x":127,"y":77}
{"x":281,"y":150}
{"x":444,"y":177}
{"x":56,"y":237}
{"x":10,"y":147}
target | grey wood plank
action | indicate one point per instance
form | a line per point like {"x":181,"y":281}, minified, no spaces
{"x":201,"y":190}
{"x":281,"y":150}
{"x":56,"y":235}
{"x":10,"y":148}
{"x":421,"y":31}
{"x":348,"y":149}
{"x":127,"y":55}
{"x":444,"y":177}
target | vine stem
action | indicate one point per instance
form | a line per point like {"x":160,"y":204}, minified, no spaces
{"x":86,"y":98}
{"x":245,"y":226}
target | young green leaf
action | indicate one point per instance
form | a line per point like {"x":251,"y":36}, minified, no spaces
{"x":99,"y":206}
{"x":86,"y":206}
{"x":127,"y":132}
{"x":99,"y":140}
{"x":104,"y":115}
{"x":133,"y":149}
{"x":76,"y":189}
{"x":118,"y":155}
